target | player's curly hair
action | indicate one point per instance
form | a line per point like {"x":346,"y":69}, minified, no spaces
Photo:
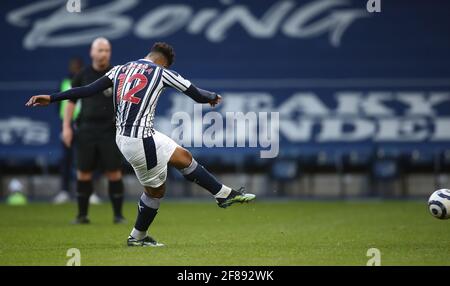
{"x":166,"y":50}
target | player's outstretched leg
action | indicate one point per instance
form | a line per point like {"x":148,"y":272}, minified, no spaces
{"x":147,"y":209}
{"x":194,"y":172}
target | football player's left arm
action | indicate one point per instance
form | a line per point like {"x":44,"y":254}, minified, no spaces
{"x":78,"y":92}
{"x":173,"y":79}
{"x":203,"y":96}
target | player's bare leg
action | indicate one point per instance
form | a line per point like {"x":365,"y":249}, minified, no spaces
{"x":147,"y":209}
{"x":225,"y":196}
{"x":116,"y":193}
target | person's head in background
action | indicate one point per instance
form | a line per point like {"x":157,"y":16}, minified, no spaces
{"x":100,"y":54}
{"x":75,"y":66}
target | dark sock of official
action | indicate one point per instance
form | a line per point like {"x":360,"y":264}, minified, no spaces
{"x":147,"y":210}
{"x":84,"y":191}
{"x":199,"y":175}
{"x":115,"y":190}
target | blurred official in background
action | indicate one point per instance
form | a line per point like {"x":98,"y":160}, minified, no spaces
{"x":75,"y":66}
{"x":95,"y":135}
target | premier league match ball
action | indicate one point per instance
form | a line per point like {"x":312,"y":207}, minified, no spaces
{"x":439,"y":204}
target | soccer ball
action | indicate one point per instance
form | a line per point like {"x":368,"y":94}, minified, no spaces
{"x":439,"y":204}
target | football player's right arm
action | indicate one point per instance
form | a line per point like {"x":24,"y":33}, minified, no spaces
{"x":78,"y":92}
{"x":84,"y":91}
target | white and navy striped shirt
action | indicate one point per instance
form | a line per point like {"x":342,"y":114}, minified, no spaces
{"x":137,"y":86}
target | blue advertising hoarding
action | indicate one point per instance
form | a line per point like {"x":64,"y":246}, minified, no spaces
{"x":337,"y":76}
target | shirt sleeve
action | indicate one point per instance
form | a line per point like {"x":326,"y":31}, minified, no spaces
{"x":83,"y":91}
{"x":173,"y":79}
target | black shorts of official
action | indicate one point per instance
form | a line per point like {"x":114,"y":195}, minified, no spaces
{"x":97,"y":149}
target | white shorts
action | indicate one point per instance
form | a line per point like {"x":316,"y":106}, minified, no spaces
{"x":148,"y":156}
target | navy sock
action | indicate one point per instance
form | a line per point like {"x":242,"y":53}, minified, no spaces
{"x":84,"y":191}
{"x":199,"y":175}
{"x":147,"y":210}
{"x":116,"y":195}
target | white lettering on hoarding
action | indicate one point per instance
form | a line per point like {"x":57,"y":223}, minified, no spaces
{"x":313,"y":19}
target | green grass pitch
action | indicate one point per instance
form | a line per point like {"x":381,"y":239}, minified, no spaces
{"x":260,"y":233}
